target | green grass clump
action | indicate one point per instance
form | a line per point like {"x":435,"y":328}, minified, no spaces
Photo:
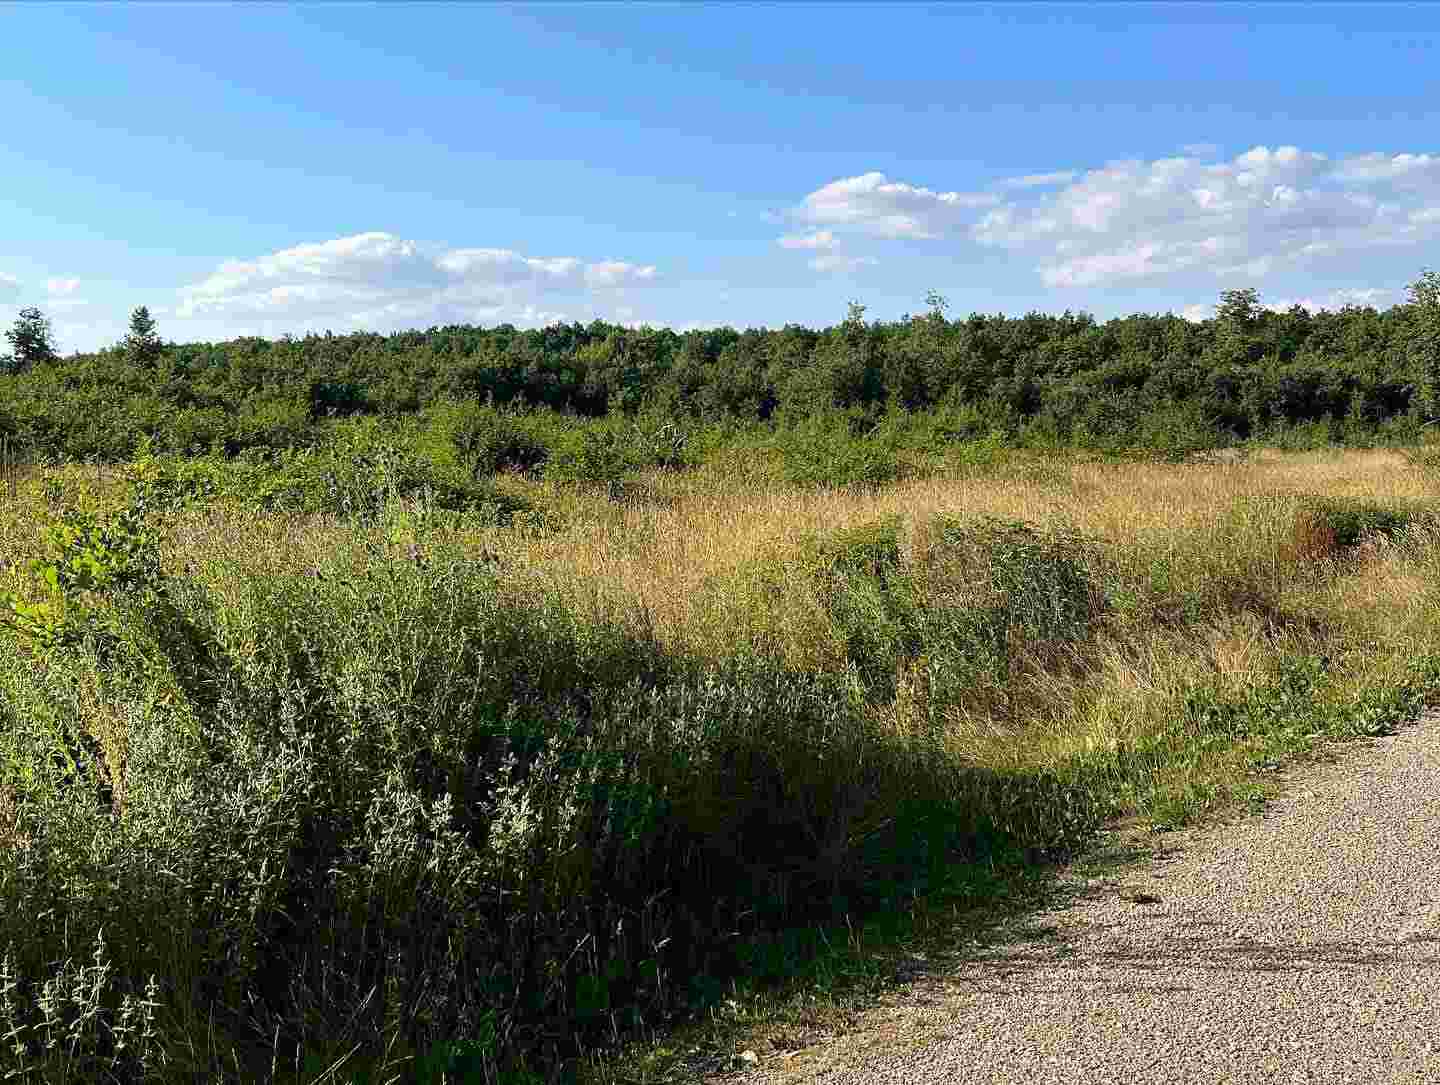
{"x":1043,"y":578}
{"x":1351,"y":520}
{"x":985,"y":593}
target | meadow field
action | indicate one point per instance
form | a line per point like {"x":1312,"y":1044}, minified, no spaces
{"x":312,"y":774}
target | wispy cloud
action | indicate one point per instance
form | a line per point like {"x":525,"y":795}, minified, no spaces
{"x":9,"y":287}
{"x":832,"y":262}
{"x":1423,"y":169}
{"x":820,"y":239}
{"x":60,"y":288}
{"x":828,"y":258}
{"x":1040,"y":180}
{"x":616,"y":273}
{"x":1372,"y":296}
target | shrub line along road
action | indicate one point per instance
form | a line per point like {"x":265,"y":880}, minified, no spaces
{"x":1300,"y":945}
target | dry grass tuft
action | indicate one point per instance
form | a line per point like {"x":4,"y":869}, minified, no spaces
{"x":1312,"y":540}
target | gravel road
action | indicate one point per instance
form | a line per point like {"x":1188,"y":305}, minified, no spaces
{"x":1299,"y":945}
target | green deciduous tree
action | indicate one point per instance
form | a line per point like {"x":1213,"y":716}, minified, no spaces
{"x":1237,"y":318}
{"x":1423,"y":345}
{"x":30,"y":341}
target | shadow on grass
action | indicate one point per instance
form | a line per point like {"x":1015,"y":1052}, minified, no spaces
{"x":997,"y":934}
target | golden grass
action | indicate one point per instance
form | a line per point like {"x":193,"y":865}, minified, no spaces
{"x":688,"y":564}
{"x":662,"y":555}
{"x":702,"y":563}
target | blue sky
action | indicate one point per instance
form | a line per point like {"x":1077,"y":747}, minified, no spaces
{"x":266,"y":169}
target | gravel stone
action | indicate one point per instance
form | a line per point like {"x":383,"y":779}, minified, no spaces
{"x":1299,"y":945}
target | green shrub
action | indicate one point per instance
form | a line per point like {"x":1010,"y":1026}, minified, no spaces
{"x":860,"y":581}
{"x":1324,"y":528}
{"x":358,"y":485}
{"x":1040,"y":579}
{"x":399,"y":753}
{"x":866,"y":550}
{"x":1175,"y":433}
{"x":74,"y":1020}
{"x":663,"y":442}
{"x":90,"y":555}
{"x":486,"y":440}
{"x":822,"y":452}
{"x":1355,"y":519}
{"x":988,"y":590}
{"x":597,"y":453}
{"x":195,"y":430}
{"x":275,"y":423}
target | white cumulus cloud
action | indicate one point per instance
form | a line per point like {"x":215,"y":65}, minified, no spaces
{"x":380,"y":281}
{"x":1263,"y":211}
{"x":612,"y":273}
{"x":871,"y":203}
{"x":59,"y":288}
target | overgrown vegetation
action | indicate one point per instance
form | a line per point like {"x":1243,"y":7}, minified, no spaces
{"x":341,"y":765}
{"x":355,"y":729}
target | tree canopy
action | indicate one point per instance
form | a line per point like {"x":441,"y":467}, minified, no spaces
{"x":30,"y":342}
{"x":1064,"y":378}
{"x":142,"y":345}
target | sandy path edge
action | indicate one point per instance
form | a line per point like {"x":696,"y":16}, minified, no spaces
{"x":1299,"y":944}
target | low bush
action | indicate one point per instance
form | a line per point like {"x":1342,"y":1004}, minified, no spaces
{"x":981,"y":595}
{"x":608,"y":451}
{"x":1327,"y":527}
{"x":1042,"y":579}
{"x":348,"y":479}
{"x":823,"y":452}
{"x":483,"y":440}
{"x":596,"y":454}
{"x":861,"y":581}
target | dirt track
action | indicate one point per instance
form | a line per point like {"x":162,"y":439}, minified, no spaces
{"x":1301,"y":945}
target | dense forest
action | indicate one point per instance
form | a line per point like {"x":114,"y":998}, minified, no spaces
{"x":1246,"y":373}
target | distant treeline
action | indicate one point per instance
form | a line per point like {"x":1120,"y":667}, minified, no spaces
{"x":1065,"y":379}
